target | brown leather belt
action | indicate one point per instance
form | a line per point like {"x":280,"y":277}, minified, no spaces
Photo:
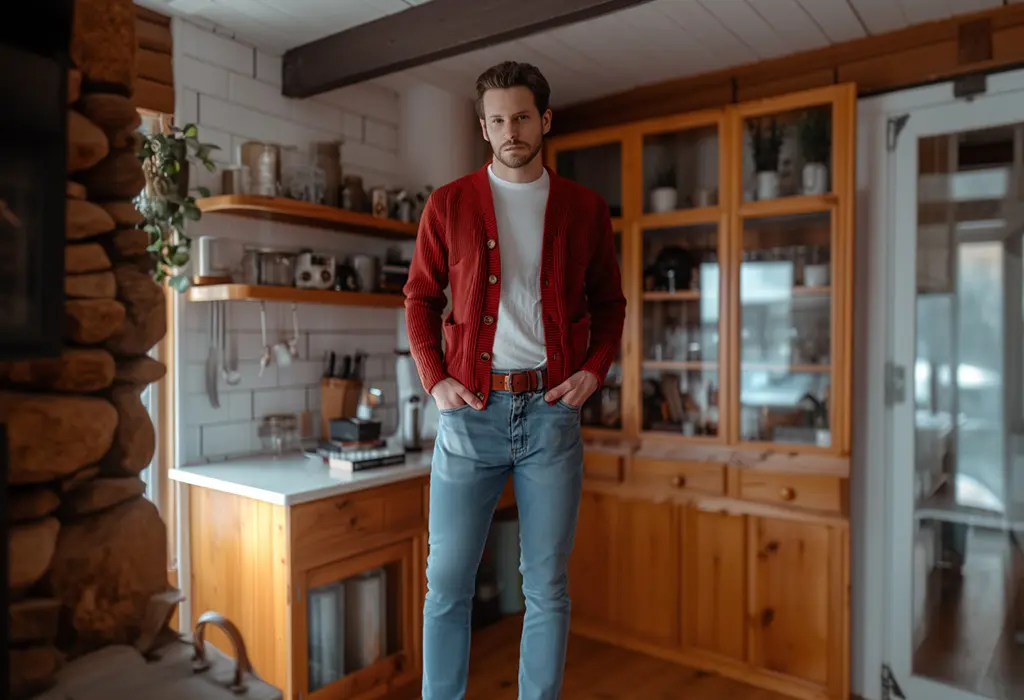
{"x":519,"y":382}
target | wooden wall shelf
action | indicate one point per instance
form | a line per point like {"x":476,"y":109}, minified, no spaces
{"x":250,"y":292}
{"x":292,"y":211}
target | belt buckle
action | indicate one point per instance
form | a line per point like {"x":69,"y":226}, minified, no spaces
{"x":508,"y":382}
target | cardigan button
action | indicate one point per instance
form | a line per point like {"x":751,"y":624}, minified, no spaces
{"x":554,"y":356}
{"x":493,"y":279}
{"x":485,"y":356}
{"x":488,"y":320}
{"x":491,"y":243}
{"x":480,"y":395}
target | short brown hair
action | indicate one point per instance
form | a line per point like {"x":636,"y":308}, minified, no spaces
{"x":509,"y":74}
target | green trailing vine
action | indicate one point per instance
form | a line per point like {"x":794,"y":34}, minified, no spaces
{"x":166,"y":204}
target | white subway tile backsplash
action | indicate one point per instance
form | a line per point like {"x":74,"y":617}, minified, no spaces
{"x":186,"y":106}
{"x":201,"y":77}
{"x":233,"y":92}
{"x":379,"y":134}
{"x":373,"y":101}
{"x":208,"y":47}
{"x":278,"y":401}
{"x":234,"y":407}
{"x":300,"y":373}
{"x":362,"y":155}
{"x":244,"y":90}
{"x":221,"y":139}
{"x":268,"y":68}
{"x":236,"y":119}
{"x":229,"y":439}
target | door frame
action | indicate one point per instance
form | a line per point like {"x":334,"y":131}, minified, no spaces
{"x":872,"y":343}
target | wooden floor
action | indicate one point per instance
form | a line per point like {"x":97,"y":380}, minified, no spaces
{"x":595,"y":671}
{"x":966,"y":645}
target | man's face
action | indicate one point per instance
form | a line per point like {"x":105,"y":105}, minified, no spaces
{"x":513,"y":126}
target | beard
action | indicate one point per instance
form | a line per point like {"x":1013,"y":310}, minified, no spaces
{"x":516,"y":159}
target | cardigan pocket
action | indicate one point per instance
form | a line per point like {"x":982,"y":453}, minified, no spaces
{"x":453,"y":338}
{"x":579,"y":340}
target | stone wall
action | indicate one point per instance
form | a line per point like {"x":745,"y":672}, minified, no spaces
{"x":87,"y":549}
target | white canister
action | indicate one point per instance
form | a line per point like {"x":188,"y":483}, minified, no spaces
{"x":816,"y":275}
{"x":664,"y":199}
{"x":767,"y":185}
{"x":815,"y":178}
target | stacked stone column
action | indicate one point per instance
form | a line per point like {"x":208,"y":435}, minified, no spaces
{"x":88,"y":551}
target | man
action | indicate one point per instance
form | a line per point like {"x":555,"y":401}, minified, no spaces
{"x":536,"y":321}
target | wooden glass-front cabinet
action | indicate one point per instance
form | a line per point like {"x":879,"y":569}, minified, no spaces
{"x":714,"y":524}
{"x":736,"y":250}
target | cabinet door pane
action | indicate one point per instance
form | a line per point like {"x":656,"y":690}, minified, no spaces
{"x":788,"y":154}
{"x":604,"y":408}
{"x":597,"y":167}
{"x":681,"y":317}
{"x":680,"y":169}
{"x":354,"y":623}
{"x":785,"y":329}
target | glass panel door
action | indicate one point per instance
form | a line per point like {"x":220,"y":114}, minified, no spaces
{"x":680,"y":250}
{"x":785,"y":329}
{"x":956,"y":574}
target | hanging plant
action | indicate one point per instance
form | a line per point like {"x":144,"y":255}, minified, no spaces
{"x":766,"y":142}
{"x":166,"y":204}
{"x":816,"y":135}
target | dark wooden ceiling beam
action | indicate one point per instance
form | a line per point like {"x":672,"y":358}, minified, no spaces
{"x":424,"y":34}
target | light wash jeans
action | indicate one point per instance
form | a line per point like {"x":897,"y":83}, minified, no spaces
{"x":474,"y":453}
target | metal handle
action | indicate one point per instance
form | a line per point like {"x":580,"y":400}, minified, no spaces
{"x":199,"y":661}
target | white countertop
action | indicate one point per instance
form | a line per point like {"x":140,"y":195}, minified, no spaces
{"x":286,"y":481}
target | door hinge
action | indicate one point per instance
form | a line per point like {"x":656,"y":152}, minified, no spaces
{"x":890,"y":688}
{"x":895,"y":126}
{"x":895,"y":383}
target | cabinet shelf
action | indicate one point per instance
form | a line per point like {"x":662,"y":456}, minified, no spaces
{"x":788,"y":206}
{"x":252,"y":292}
{"x":292,"y":211}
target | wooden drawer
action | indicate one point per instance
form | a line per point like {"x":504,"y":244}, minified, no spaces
{"x":700,"y":477}
{"x":602,"y":466}
{"x":337,"y":523}
{"x":813,"y":491}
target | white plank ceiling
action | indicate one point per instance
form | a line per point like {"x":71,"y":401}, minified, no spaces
{"x":656,"y":41}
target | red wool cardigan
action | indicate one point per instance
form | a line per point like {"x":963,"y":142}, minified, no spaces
{"x":581,"y":288}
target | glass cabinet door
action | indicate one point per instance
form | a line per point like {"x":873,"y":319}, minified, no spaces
{"x":358,"y":623}
{"x":680,"y":169}
{"x":788,"y":154}
{"x":681,"y":331}
{"x":785,"y":329}
{"x":681,"y":324}
{"x":792,"y":243}
{"x":596,"y":165}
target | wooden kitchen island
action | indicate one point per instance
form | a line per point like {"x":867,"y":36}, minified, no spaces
{"x":271,"y":542}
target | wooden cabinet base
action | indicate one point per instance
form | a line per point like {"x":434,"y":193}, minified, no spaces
{"x":706,"y":662}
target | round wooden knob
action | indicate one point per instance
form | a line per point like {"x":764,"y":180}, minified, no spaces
{"x":787,"y":494}
{"x":679,"y":481}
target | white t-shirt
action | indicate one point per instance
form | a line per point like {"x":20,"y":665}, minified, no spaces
{"x":519,"y":211}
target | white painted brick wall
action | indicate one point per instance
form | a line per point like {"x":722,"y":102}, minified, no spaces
{"x":232,"y":91}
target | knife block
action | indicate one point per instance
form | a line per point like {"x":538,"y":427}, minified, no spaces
{"x":339,"y":398}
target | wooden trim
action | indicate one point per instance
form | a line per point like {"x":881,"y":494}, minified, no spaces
{"x":155,"y":37}
{"x":154,"y":96}
{"x":148,"y":15}
{"x":154,"y":65}
{"x":915,"y":55}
